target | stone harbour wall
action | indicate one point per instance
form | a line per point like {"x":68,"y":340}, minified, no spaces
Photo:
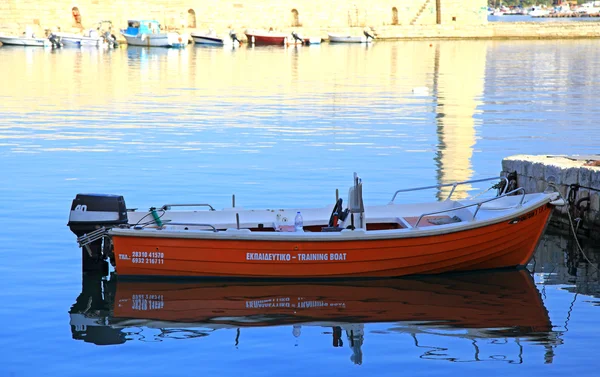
{"x":576,"y":177}
{"x":389,"y":19}
{"x":311,"y":15}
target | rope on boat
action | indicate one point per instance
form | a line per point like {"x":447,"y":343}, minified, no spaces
{"x":139,"y":223}
{"x":572,"y":227}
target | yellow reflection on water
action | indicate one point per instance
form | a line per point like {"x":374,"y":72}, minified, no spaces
{"x":460,"y":71}
{"x":105,"y":95}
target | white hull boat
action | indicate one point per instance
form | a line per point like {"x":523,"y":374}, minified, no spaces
{"x":212,"y":39}
{"x":155,"y":40}
{"x":11,"y":40}
{"x":343,"y":38}
{"x":71,"y":39}
{"x":147,"y":33}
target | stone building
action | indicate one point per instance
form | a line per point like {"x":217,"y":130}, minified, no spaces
{"x":312,"y":16}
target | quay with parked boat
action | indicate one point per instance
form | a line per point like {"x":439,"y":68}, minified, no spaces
{"x":490,"y":31}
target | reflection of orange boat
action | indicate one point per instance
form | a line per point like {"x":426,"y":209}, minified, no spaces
{"x":493,"y":304}
{"x":499,"y":299}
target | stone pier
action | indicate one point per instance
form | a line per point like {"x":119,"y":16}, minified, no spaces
{"x":576,"y":177}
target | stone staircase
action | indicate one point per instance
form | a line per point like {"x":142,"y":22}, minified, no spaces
{"x":420,"y":12}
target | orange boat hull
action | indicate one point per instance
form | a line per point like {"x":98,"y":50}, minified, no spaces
{"x":504,"y":244}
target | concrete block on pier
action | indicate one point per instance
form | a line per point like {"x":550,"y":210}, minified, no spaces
{"x":577,"y":178}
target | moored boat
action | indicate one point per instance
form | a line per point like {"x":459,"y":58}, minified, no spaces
{"x":538,"y":11}
{"x":99,"y":37}
{"x":78,"y":40}
{"x":13,"y":40}
{"x":357,"y":241}
{"x":148,"y":33}
{"x":29,"y":39}
{"x":264,"y":37}
{"x":211,"y":38}
{"x":367,"y":37}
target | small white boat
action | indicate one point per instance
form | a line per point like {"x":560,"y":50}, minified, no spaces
{"x":346,"y":38}
{"x":92,"y":39}
{"x":147,"y":33}
{"x":537,"y":11}
{"x":101,"y":36}
{"x":13,"y":40}
{"x":211,"y":38}
{"x":27,"y":39}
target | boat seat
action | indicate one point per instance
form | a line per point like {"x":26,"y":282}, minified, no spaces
{"x":235,"y":230}
{"x":431,"y":220}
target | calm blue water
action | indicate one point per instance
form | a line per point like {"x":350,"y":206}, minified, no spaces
{"x":280,"y":127}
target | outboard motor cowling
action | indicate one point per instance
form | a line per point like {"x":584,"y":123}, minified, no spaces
{"x":55,"y":40}
{"x":92,"y":211}
{"x":234,"y":37}
{"x":297,"y":37}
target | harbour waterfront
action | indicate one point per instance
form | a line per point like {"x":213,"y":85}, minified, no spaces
{"x":275,"y":126}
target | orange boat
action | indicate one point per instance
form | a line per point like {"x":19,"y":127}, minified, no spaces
{"x":332,"y":242}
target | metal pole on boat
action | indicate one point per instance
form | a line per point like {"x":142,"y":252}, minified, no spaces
{"x":337,"y":195}
{"x":237,"y":220}
{"x":233,"y":201}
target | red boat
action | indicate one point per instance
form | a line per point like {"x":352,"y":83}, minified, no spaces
{"x":264,"y":37}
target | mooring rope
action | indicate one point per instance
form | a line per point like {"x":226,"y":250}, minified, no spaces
{"x":573,"y":227}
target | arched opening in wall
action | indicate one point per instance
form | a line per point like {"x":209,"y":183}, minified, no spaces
{"x":295,"y":18}
{"x":191,"y":18}
{"x":394,"y":16}
{"x":76,"y":17}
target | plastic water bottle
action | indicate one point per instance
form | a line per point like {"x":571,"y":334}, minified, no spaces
{"x":298,"y":223}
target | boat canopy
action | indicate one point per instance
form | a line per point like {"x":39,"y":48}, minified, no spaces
{"x":142,"y":26}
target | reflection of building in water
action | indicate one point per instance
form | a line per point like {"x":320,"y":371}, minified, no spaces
{"x":458,"y":84}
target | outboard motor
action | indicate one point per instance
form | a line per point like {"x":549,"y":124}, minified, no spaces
{"x":234,"y":37}
{"x":92,"y":211}
{"x":89,"y":214}
{"x":297,"y":37}
{"x":368,"y":34}
{"x":55,"y":40}
{"x":111,"y":40}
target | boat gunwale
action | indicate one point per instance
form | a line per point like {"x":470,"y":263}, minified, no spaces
{"x":343,"y":236}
